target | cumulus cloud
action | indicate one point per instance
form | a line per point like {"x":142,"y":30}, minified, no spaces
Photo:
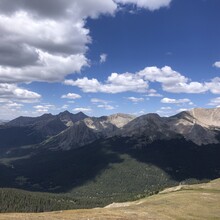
{"x":102,"y":104}
{"x":106,"y":106}
{"x":214,"y":85}
{"x":217,"y":64}
{"x":135,"y":99}
{"x":71,"y":96}
{"x":95,"y":100}
{"x":166,"y":111}
{"x":147,"y":4}
{"x":103,"y":58}
{"x":11,"y":92}
{"x":215,"y":102}
{"x":153,"y":93}
{"x":170,"y":80}
{"x":65,"y":107}
{"x":49,"y":37}
{"x":43,"y":108}
{"x":82,"y":109}
{"x":183,"y":110}
{"x":175,"y":101}
{"x":116,"y":83}
{"x":11,"y":110}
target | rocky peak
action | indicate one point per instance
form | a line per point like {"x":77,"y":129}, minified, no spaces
{"x":206,"y":117}
{"x":119,"y":119}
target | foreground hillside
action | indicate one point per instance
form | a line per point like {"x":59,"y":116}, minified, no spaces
{"x":182,"y":202}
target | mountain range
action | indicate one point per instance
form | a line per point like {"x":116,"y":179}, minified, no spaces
{"x":67,"y":130}
{"x":99,"y":160}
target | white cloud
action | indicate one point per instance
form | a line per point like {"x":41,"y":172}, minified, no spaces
{"x":49,"y":68}
{"x":49,"y":39}
{"x":71,"y":96}
{"x":87,"y":85}
{"x":192,"y":87}
{"x":215,"y":101}
{"x":214,"y":85}
{"x":182,"y":110}
{"x":11,"y":110}
{"x":102,"y":104}
{"x":46,"y":50}
{"x":135,"y":99}
{"x":217,"y":64}
{"x":147,"y":4}
{"x":11,"y":92}
{"x":44,"y":108}
{"x":106,"y":106}
{"x":141,"y":112}
{"x":166,"y":108}
{"x":65,"y":107}
{"x":153,"y":93}
{"x":82,"y":109}
{"x":116,"y":83}
{"x":171,"y":80}
{"x":175,"y":101}
{"x":103,"y":58}
{"x":95,"y":100}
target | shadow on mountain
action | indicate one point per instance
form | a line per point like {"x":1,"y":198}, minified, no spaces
{"x":59,"y":171}
{"x":182,"y":160}
{"x":116,"y":166}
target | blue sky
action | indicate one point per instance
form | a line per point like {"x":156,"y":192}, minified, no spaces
{"x":103,"y":57}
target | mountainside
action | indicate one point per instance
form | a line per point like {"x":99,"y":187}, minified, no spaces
{"x":69,"y":119}
{"x":33,"y":130}
{"x":198,"y":125}
{"x":183,"y":202}
{"x":67,"y":130}
{"x":201,"y":126}
{"x":2,"y":122}
{"x":99,"y":160}
{"x":110,"y":170}
{"x":88,"y":130}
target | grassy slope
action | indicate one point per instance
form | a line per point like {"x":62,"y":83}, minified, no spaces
{"x":186,"y":202}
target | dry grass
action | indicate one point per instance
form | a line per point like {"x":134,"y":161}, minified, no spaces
{"x":197,"y":202}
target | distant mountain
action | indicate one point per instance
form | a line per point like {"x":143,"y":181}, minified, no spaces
{"x":67,"y":130}
{"x":28,"y":121}
{"x":33,"y":130}
{"x":2,"y":122}
{"x":88,"y":130}
{"x":201,"y":126}
{"x":69,"y":119}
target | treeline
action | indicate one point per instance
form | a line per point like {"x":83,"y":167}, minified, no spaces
{"x":14,"y":200}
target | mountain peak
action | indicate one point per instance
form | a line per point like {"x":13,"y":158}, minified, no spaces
{"x":81,"y":114}
{"x":120,"y":119}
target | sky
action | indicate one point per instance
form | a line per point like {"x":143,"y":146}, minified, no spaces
{"x":104,"y":57}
